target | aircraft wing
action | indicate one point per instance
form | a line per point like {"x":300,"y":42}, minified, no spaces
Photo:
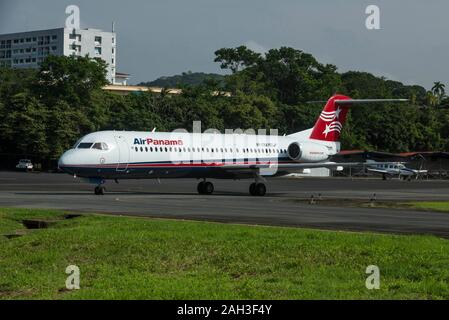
{"x":272,"y":169}
{"x":290,"y":166}
{"x":421,"y":171}
{"x":378,"y":171}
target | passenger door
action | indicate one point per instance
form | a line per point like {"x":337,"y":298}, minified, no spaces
{"x":123,"y":153}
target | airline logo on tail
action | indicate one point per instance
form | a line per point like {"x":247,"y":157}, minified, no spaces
{"x":330,"y":117}
{"x":330,"y":123}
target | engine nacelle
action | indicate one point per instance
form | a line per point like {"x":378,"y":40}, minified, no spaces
{"x":307,"y":152}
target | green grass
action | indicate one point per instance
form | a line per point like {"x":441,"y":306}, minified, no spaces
{"x":136,"y":258}
{"x":430,"y":205}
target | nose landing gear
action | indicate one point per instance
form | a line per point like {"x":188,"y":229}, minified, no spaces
{"x":100,"y":190}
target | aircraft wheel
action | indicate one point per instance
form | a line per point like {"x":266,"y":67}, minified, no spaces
{"x":200,"y":187}
{"x":252,"y":189}
{"x":260,"y":189}
{"x":100,"y":190}
{"x":208,"y":188}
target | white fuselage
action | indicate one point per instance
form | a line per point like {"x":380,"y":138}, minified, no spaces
{"x":128,"y":154}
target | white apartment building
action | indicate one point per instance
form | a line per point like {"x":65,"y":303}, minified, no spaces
{"x":29,"y":49}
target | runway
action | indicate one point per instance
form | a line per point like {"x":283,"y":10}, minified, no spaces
{"x":231,"y":202}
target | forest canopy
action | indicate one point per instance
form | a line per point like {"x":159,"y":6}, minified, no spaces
{"x":43,"y":112}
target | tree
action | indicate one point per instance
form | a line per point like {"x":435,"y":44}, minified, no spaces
{"x":70,"y":78}
{"x":287,"y":75}
{"x":432,"y":100}
{"x":438,"y":90}
{"x":236,"y":58}
{"x":23,"y":128}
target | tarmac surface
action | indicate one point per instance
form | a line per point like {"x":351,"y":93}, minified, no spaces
{"x":232,"y":203}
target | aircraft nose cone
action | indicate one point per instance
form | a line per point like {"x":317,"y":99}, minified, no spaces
{"x":62,"y":160}
{"x":65,"y":160}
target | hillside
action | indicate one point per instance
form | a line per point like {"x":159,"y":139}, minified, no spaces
{"x":185,"y":79}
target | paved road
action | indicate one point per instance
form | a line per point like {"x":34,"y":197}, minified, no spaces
{"x":231,"y":202}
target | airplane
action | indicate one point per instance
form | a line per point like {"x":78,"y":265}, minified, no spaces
{"x":116,"y":155}
{"x":393,"y":169}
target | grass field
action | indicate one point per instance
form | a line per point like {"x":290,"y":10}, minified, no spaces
{"x":430,"y":205}
{"x":137,"y":258}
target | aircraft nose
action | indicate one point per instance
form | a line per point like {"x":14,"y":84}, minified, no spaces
{"x":65,"y":160}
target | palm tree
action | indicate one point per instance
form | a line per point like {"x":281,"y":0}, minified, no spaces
{"x":431,"y":99}
{"x":438,"y":90}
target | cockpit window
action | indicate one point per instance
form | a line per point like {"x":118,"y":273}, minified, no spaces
{"x":85,"y":145}
{"x":76,"y":143}
{"x":100,"y":146}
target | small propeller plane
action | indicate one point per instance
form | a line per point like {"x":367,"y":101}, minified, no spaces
{"x":391,"y":169}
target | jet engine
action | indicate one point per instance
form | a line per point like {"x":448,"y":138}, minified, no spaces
{"x":307,"y":152}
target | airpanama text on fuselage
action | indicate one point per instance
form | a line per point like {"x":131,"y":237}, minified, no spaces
{"x":158,"y":142}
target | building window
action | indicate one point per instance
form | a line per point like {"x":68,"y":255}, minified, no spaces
{"x":113,"y":40}
{"x":98,"y":50}
{"x":74,"y":36}
{"x":112,"y":60}
{"x":98,"y":39}
{"x":54,"y":37}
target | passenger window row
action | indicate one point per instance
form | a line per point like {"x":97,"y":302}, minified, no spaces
{"x":211,"y":150}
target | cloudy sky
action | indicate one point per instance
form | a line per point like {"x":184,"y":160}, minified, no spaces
{"x":166,"y":37}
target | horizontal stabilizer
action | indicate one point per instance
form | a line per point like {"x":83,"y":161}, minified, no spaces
{"x":361,"y":101}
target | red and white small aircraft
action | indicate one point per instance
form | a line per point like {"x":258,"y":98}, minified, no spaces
{"x":156,"y":155}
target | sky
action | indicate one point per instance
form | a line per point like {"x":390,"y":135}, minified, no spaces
{"x":166,"y":37}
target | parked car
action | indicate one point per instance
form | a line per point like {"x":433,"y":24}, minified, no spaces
{"x":25,"y":164}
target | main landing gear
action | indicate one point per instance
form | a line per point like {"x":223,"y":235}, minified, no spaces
{"x":205,"y":187}
{"x":257,"y":189}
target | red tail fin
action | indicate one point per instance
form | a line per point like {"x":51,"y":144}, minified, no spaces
{"x":331,"y":120}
